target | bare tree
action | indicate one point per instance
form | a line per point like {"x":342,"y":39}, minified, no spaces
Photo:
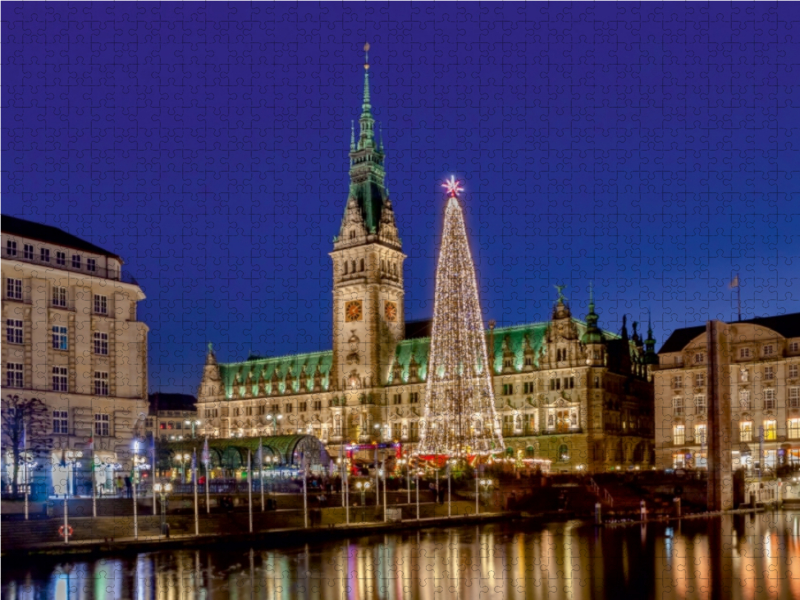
{"x":23,"y":418}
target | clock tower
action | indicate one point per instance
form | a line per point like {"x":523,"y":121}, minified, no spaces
{"x":368,"y":314}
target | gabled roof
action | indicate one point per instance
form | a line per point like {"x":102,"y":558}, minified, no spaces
{"x":50,"y":234}
{"x":786,"y":325}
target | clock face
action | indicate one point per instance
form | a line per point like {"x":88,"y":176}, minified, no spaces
{"x":352,"y":311}
{"x":390,"y":311}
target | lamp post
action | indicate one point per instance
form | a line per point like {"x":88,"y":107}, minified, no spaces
{"x":450,"y":464}
{"x":182,"y":458}
{"x":274,"y":419}
{"x":193,"y":424}
{"x":382,"y":473}
{"x":377,"y":480}
{"x":162,"y":489}
{"x":486,"y":484}
{"x":363,"y":486}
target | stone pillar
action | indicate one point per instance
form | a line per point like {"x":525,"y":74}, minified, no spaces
{"x":720,"y":475}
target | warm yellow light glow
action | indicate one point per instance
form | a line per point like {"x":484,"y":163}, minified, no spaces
{"x":459,"y":417}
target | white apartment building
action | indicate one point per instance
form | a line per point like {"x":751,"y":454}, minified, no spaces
{"x":763,"y":359}
{"x":72,"y":339}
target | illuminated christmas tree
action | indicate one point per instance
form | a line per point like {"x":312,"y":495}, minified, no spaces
{"x":459,"y":418}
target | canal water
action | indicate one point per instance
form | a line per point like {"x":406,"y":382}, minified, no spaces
{"x":742,"y":556}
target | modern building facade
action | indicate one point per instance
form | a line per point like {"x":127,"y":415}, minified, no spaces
{"x":172,"y":417}
{"x":762,"y":387}
{"x":567,"y":390}
{"x":73,"y":340}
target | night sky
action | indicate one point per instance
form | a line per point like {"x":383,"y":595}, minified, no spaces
{"x":648,"y":148}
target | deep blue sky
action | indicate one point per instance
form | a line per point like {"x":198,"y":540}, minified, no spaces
{"x":650,"y":148}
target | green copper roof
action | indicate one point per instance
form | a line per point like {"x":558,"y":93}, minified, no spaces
{"x":273,"y":372}
{"x":514,"y":335}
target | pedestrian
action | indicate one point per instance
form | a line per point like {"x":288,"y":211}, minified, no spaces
{"x":120,"y":485}
{"x":128,"y":486}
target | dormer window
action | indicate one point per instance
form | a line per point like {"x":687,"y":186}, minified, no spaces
{"x":353,"y":235}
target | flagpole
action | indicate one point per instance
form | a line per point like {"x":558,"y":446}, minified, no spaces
{"x":305,"y":494}
{"x":153,"y":470}
{"x":261,"y":470}
{"x":739,"y":295}
{"x":94,"y":485}
{"x":25,"y":467}
{"x":194,"y":481}
{"x":206,"y":461}
{"x":250,"y":488}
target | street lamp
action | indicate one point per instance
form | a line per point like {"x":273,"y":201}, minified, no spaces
{"x":71,"y":462}
{"x":274,"y":419}
{"x":193,"y":424}
{"x":363,"y":486}
{"x":162,"y":489}
{"x":182,"y":459}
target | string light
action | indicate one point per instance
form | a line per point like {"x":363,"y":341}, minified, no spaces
{"x":459,"y":417}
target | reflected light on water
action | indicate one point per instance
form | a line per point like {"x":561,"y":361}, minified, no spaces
{"x":569,"y":561}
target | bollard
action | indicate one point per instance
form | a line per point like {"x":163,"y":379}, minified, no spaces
{"x":676,"y":502}
{"x":643,"y":510}
{"x":598,"y":514}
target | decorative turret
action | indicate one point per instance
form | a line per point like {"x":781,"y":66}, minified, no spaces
{"x":650,"y":356}
{"x":211,"y":384}
{"x":593,"y":335}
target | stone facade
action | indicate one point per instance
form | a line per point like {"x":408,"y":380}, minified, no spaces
{"x":762,"y":387}
{"x":73,"y":340}
{"x":565,"y":390}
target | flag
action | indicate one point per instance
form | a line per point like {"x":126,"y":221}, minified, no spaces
{"x":206,"y":456}
{"x":735,"y":282}
{"x":194,"y":465}
{"x":23,"y":440}
{"x":260,"y":455}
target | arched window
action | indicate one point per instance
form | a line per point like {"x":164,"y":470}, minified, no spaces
{"x":530,"y":451}
{"x":337,"y":424}
{"x":563,"y":453}
{"x":353,"y":264}
{"x":353,"y":235}
{"x":383,"y":266}
{"x":345,"y":267}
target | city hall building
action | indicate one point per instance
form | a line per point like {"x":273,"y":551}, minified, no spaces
{"x":566,"y":390}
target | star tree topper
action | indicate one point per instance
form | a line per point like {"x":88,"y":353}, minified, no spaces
{"x":452,"y":187}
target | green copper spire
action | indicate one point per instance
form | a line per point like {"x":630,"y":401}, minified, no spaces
{"x":593,"y":335}
{"x":367,"y":196}
{"x":366,"y":138}
{"x":352,"y":136}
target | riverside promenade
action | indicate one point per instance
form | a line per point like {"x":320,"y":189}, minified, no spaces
{"x":276,"y":528}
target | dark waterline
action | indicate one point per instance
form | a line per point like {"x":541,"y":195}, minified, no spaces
{"x":743,"y":556}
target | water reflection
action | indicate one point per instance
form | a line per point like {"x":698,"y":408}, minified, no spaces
{"x":747,"y":557}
